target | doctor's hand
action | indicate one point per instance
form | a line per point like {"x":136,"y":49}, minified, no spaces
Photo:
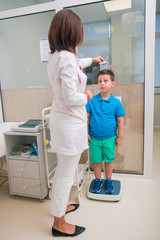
{"x":98,"y":59}
{"x":89,"y":94}
{"x":89,"y":138}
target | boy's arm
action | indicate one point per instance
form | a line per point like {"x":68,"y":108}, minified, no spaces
{"x":88,"y":117}
{"x":120,"y":122}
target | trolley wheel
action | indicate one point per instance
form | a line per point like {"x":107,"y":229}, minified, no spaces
{"x":43,"y":199}
{"x":50,"y":194}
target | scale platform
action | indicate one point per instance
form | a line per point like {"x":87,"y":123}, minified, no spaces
{"x":102,"y":195}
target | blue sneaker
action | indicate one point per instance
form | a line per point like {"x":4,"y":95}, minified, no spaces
{"x":97,"y":186}
{"x":109,"y":186}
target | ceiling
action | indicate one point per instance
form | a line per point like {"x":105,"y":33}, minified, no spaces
{"x":96,"y":12}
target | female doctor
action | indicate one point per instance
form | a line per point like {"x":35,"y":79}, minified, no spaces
{"x":68,"y":118}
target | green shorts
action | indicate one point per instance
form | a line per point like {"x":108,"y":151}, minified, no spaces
{"x":102,"y":149}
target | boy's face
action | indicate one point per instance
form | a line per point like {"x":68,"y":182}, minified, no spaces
{"x":105,"y":83}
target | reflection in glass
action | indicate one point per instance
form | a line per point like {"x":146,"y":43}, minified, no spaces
{"x":96,"y":42}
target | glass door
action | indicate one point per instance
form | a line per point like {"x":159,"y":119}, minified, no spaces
{"x":116,"y":32}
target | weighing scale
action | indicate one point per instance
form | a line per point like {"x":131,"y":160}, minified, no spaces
{"x":102,"y":195}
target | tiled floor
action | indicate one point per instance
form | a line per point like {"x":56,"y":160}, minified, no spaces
{"x":135,"y":217}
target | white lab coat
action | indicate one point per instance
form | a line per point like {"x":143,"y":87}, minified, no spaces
{"x":68,"y":117}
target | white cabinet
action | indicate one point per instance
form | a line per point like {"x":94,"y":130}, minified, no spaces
{"x":27,"y":173}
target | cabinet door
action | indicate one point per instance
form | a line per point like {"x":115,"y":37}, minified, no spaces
{"x":25,"y":169}
{"x":25,"y":187}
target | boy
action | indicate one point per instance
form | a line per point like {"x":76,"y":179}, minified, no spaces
{"x":105,"y":113}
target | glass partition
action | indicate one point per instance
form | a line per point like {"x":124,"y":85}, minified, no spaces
{"x":20,"y":59}
{"x":157,"y":46}
{"x":11,"y":4}
{"x":116,"y":32}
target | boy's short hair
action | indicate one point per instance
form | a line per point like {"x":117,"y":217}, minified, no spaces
{"x":106,"y":72}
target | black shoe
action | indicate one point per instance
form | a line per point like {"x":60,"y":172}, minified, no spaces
{"x":75,"y":207}
{"x":78,"y":230}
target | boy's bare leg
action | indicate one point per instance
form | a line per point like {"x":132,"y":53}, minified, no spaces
{"x":97,"y":167}
{"x":109,"y":169}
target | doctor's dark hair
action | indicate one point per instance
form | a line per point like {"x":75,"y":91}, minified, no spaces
{"x":65,"y":31}
{"x":106,"y":72}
